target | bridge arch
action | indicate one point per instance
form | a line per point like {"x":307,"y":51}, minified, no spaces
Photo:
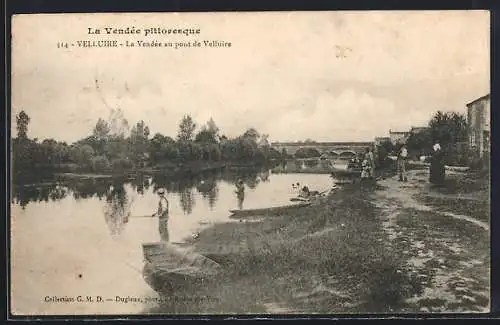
{"x":347,"y":154}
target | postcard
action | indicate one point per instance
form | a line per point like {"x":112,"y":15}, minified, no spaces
{"x":306,"y":162}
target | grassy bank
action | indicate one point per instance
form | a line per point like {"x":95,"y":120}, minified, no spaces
{"x":365,"y":248}
{"x":326,"y":258}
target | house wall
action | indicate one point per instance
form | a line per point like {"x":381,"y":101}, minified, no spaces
{"x":398,"y":137}
{"x":478,"y":121}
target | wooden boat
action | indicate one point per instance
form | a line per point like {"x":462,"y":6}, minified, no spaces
{"x":299,"y":199}
{"x":267,"y":211}
{"x":456,"y":168}
{"x":167,"y":268}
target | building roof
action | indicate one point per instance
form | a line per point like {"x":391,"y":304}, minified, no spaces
{"x":418,"y":128}
{"x":398,"y":132}
{"x":487,"y":96}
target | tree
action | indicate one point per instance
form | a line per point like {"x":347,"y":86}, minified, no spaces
{"x":252,"y":134}
{"x":101,"y":129}
{"x":383,"y":150}
{"x":448,"y":128}
{"x":101,"y":135}
{"x":205,"y":136}
{"x":420,"y":142}
{"x":186,"y":129}
{"x":162,"y":147}
{"x":116,"y":148}
{"x":212,"y":127}
{"x":264,"y":141}
{"x":139,"y":141}
{"x":209,"y":134}
{"x":22,"y":120}
{"x":117,"y":123}
{"x":82,"y":154}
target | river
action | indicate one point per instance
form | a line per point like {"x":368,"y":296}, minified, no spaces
{"x":74,"y":239}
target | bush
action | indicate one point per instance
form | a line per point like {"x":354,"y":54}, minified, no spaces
{"x":307,"y":153}
{"x":457,"y":154}
{"x":121,"y":163}
{"x":99,"y":163}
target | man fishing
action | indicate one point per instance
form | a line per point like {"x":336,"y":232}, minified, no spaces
{"x":162,"y":214}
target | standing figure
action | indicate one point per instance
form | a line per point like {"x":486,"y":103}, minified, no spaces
{"x":370,"y":161}
{"x":365,"y":170}
{"x":240,"y":193}
{"x":437,"y":170}
{"x":162,"y":214}
{"x":402,"y":157}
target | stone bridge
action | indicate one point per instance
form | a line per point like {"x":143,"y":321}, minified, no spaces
{"x":331,"y":149}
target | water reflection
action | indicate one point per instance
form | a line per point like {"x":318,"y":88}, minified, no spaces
{"x":114,"y":192}
{"x":209,"y":191}
{"x":322,"y":166}
{"x":26,"y":194}
{"x":141,"y":183}
{"x":88,"y":189}
{"x":187,"y":200}
{"x":117,"y":209}
{"x":264,"y":176}
{"x":163,"y":229}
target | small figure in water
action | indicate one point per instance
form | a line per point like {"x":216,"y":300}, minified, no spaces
{"x":240,"y":193}
{"x":240,"y":186}
{"x":162,"y":214}
{"x":305,"y":192}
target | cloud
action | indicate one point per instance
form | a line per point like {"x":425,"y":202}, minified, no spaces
{"x":281,"y":76}
{"x":342,"y":117}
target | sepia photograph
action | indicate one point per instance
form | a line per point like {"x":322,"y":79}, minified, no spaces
{"x":250,"y":163}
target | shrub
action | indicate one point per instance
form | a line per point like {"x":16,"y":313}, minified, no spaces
{"x":121,"y":163}
{"x":99,"y":163}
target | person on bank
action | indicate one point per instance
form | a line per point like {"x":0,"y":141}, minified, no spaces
{"x":437,"y":170}
{"x":369,"y":157}
{"x":365,"y":170}
{"x":162,"y":214}
{"x":402,"y":157}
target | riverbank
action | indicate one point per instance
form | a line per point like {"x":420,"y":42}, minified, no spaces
{"x":379,"y":248}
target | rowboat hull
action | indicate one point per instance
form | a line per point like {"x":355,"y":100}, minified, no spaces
{"x":267,"y":211}
{"x":168,"y":269}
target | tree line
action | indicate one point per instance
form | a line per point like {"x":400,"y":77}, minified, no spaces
{"x":113,"y":146}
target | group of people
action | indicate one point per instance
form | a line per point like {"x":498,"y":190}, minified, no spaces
{"x":304,"y":192}
{"x":437,"y":168}
{"x":368,"y":165}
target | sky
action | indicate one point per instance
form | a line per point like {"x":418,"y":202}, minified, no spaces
{"x":326,"y":76}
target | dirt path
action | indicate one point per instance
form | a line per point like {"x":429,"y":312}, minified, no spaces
{"x":447,"y":252}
